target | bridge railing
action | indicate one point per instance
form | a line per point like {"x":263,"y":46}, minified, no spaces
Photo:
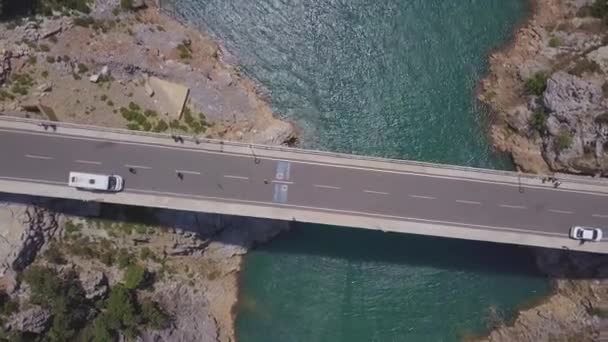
{"x":252,"y":146}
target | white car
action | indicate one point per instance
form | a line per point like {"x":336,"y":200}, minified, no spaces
{"x":586,"y":233}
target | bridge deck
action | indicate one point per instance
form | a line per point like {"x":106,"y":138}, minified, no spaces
{"x":294,"y":184}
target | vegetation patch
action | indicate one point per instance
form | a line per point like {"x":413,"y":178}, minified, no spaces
{"x":538,"y":121}
{"x":537,"y":83}
{"x":146,"y":120}
{"x":584,"y":65}
{"x":563,"y":140}
{"x":21,"y":83}
{"x":555,"y":42}
{"x":185,"y":49}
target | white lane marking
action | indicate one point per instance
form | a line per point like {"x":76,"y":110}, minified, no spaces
{"x":87,"y":162}
{"x":350,"y":212}
{"x":235,"y":177}
{"x":422,"y":197}
{"x":137,"y":166}
{"x":512,"y":206}
{"x":327,"y":186}
{"x":514,"y":183}
{"x":281,"y":182}
{"x":600,"y":216}
{"x":557,"y":211}
{"x":375,"y":192}
{"x":35,"y":156}
{"x":468,"y":202}
{"x":188,"y":172}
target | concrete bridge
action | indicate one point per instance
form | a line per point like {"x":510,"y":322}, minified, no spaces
{"x":302,"y":185}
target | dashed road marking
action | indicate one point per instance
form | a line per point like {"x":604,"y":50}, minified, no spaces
{"x":281,"y":182}
{"x":188,"y":172}
{"x":512,"y":206}
{"x":468,"y":202}
{"x":376,"y":192}
{"x":137,"y":167}
{"x":236,"y":177}
{"x":35,"y":156}
{"x":557,"y":211}
{"x":600,"y":216}
{"x":327,"y":187}
{"x":87,"y":162}
{"x":422,"y":197}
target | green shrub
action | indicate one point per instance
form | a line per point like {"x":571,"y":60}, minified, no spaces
{"x":126,"y":4}
{"x":4,"y":95}
{"x":150,"y":113}
{"x":103,"y":97}
{"x":50,"y":59}
{"x":153,"y":316}
{"x":32,"y":60}
{"x":563,"y":140}
{"x":539,"y":120}
{"x":44,"y":48}
{"x":71,"y":228}
{"x":44,"y":74}
{"x":54,"y":255}
{"x":133,"y":126}
{"x":82,"y":68}
{"x":134,"y":106}
{"x":537,"y":83}
{"x":185,"y":49}
{"x":83,"y":21}
{"x":599,"y":312}
{"x":110,"y":103}
{"x":161,"y":126}
{"x":134,"y":277}
{"x":124,"y":258}
{"x":555,"y":42}
{"x":120,"y":314}
{"x":584,"y":65}
{"x":146,"y":126}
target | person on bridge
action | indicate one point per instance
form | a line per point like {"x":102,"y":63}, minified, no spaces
{"x":180,"y":176}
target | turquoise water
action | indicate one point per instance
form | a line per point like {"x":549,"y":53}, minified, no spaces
{"x":389,"y":78}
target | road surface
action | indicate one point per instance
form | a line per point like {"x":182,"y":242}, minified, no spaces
{"x":183,"y":172}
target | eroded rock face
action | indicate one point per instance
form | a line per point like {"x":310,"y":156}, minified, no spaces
{"x":575,"y":140}
{"x":24,"y":229}
{"x":5,"y":65}
{"x":567,"y":96}
{"x":191,"y":321}
{"x":35,"y":320}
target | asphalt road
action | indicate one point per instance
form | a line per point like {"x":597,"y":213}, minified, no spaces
{"x":48,"y":158}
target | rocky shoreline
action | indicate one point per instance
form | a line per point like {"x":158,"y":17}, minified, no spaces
{"x":547,"y":93}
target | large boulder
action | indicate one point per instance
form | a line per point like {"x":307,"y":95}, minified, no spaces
{"x":94,"y":284}
{"x":34,"y":320}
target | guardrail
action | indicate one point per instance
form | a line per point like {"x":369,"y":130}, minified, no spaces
{"x":220,"y":143}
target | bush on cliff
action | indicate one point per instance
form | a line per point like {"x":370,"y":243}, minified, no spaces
{"x":537,"y":83}
{"x":563,"y":140}
{"x":538,"y":122}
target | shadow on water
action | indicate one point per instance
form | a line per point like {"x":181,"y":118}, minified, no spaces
{"x":368,"y":246}
{"x":343,"y":243}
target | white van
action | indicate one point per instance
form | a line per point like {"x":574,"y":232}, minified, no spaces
{"x":91,"y":181}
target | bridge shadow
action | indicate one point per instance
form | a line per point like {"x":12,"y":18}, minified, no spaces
{"x":355,"y":245}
